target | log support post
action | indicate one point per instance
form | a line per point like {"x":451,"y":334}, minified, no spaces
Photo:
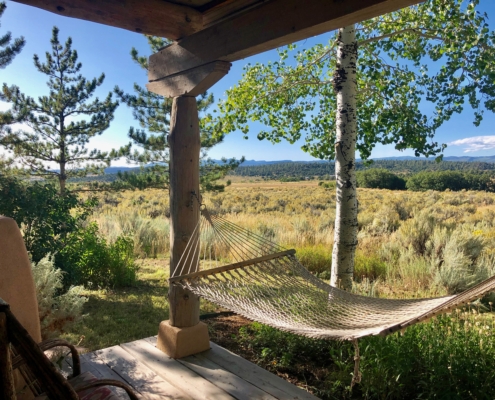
{"x":183,"y":334}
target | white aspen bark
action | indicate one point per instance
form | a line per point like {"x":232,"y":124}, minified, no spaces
{"x":346,"y":224}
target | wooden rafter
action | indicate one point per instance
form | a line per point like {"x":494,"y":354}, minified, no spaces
{"x":153,"y":17}
{"x":271,"y":24}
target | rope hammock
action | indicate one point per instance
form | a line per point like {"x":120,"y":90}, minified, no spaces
{"x":262,"y":281}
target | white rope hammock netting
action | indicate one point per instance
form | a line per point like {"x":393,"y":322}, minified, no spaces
{"x":260,"y":280}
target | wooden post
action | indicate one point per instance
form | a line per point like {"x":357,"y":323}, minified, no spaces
{"x":183,"y":334}
{"x":7,"y":389}
{"x":184,"y":144}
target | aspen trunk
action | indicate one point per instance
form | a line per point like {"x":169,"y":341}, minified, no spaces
{"x":346,"y":224}
{"x":184,"y":143}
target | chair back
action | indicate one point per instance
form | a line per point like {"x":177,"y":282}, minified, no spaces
{"x":53,"y":383}
{"x":16,"y":278}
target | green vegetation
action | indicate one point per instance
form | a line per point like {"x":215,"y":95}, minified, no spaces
{"x":436,"y":176}
{"x":10,"y":50}
{"x":377,"y":178}
{"x":450,"y":357}
{"x":57,"y":225}
{"x":325,"y":170}
{"x":58,"y":309}
{"x":89,"y":260}
{"x":452,"y":180}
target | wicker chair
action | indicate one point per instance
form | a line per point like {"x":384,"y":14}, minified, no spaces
{"x":19,"y":350}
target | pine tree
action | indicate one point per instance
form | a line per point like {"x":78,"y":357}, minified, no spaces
{"x":60,"y":134}
{"x":7,"y":55}
{"x":152,"y":111}
{"x":9,"y":51}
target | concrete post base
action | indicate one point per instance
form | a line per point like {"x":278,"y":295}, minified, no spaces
{"x":182,"y":342}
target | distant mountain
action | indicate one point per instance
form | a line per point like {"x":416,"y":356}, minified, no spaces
{"x":488,"y":159}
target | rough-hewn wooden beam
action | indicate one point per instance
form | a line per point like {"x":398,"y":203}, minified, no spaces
{"x":153,"y":17}
{"x":272,"y":24}
{"x":192,"y":82}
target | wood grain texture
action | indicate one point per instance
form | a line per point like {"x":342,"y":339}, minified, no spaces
{"x":52,"y":381}
{"x":192,"y":82}
{"x":184,"y":145}
{"x":139,"y":376}
{"x":230,"y":267}
{"x":272,"y":24}
{"x":227,"y":381}
{"x":270,"y":383}
{"x":91,"y":362}
{"x":174,"y":372}
{"x":153,"y":17}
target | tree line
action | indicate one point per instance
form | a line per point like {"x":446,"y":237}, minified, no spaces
{"x":326,"y":170}
{"x":379,"y":178}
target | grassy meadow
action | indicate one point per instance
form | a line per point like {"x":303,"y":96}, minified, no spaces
{"x":411,"y":244}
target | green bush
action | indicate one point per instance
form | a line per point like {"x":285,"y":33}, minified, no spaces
{"x":369,"y":267}
{"x":452,"y":180}
{"x":89,"y":260}
{"x":328,"y":185}
{"x":450,"y":357}
{"x":379,"y":178}
{"x":316,"y":259}
{"x":45,"y":218}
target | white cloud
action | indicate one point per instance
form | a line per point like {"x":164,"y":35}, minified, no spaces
{"x":475,"y":143}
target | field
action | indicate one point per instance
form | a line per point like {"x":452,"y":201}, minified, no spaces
{"x":411,"y":244}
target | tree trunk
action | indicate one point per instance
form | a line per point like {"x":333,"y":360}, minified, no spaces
{"x":346,"y":224}
{"x":62,"y":178}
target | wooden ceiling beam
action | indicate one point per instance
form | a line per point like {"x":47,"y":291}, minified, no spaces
{"x":273,"y":23}
{"x":153,"y":17}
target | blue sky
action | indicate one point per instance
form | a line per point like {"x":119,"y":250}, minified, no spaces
{"x":106,"y":49}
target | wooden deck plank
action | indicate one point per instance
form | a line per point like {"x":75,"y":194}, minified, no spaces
{"x":90,"y":362}
{"x":174,"y":372}
{"x":256,"y":375}
{"x":139,"y":376}
{"x":229,"y":382}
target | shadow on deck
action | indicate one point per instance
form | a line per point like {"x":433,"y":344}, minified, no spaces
{"x":213,"y":374}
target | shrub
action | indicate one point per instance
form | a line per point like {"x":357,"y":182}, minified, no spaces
{"x":91,"y":261}
{"x":369,"y":267}
{"x":57,"y":309}
{"x":316,"y":259}
{"x":416,"y":232}
{"x":449,"y":357}
{"x":45,"y":218}
{"x":379,"y":178}
{"x":449,"y":180}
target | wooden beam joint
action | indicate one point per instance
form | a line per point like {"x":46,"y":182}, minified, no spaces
{"x":192,"y":82}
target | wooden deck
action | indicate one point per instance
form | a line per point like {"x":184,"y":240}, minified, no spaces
{"x":213,"y":374}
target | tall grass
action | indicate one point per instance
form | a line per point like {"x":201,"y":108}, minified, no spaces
{"x":412,"y":243}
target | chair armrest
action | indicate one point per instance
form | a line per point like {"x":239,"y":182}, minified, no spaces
{"x":108,"y":382}
{"x":49,"y":344}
